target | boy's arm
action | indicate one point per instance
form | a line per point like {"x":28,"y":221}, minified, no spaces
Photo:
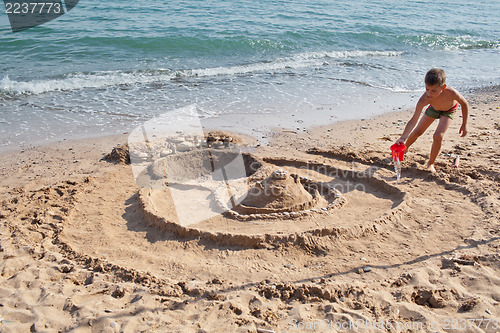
{"x":465,"y":114}
{"x":414,"y":119}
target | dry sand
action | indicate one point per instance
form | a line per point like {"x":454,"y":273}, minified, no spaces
{"x":81,"y":253}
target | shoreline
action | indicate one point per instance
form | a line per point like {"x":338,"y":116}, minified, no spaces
{"x":220,"y":124}
{"x":81,"y":253}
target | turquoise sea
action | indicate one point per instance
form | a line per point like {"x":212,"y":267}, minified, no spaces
{"x":107,"y":66}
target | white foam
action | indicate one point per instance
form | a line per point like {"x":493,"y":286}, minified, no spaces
{"x":104,"y":79}
{"x":79,"y":81}
{"x":301,"y":60}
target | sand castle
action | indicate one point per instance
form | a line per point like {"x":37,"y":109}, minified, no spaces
{"x":283,"y":195}
{"x":215,"y":191}
{"x":278,"y":193}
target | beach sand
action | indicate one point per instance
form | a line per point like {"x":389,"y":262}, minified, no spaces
{"x":82,"y":253}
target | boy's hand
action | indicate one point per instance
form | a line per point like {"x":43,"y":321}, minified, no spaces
{"x":463,"y":130}
{"x":400,"y":141}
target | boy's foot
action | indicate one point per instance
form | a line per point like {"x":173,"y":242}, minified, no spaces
{"x":431,"y":168}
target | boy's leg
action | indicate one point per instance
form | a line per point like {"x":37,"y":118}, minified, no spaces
{"x":437,"y":139}
{"x":422,"y":125}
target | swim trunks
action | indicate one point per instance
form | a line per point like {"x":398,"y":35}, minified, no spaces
{"x":436,"y":114}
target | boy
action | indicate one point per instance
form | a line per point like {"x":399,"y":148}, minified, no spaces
{"x":439,"y":97}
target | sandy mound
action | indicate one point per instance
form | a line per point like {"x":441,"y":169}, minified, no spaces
{"x":119,"y":155}
{"x":278,"y":192}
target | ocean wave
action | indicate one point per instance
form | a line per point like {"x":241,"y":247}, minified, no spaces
{"x":103,"y":79}
{"x":77,"y":81}
{"x":301,"y":60}
{"x":446,"y":42}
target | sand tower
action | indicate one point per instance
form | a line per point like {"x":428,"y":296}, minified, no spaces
{"x":278,"y":193}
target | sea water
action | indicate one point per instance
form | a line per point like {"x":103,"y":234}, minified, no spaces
{"x":249,"y":66}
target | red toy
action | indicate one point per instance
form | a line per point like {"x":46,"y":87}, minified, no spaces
{"x":398,"y":151}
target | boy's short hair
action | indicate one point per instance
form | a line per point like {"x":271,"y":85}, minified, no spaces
{"x":435,"y":77}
